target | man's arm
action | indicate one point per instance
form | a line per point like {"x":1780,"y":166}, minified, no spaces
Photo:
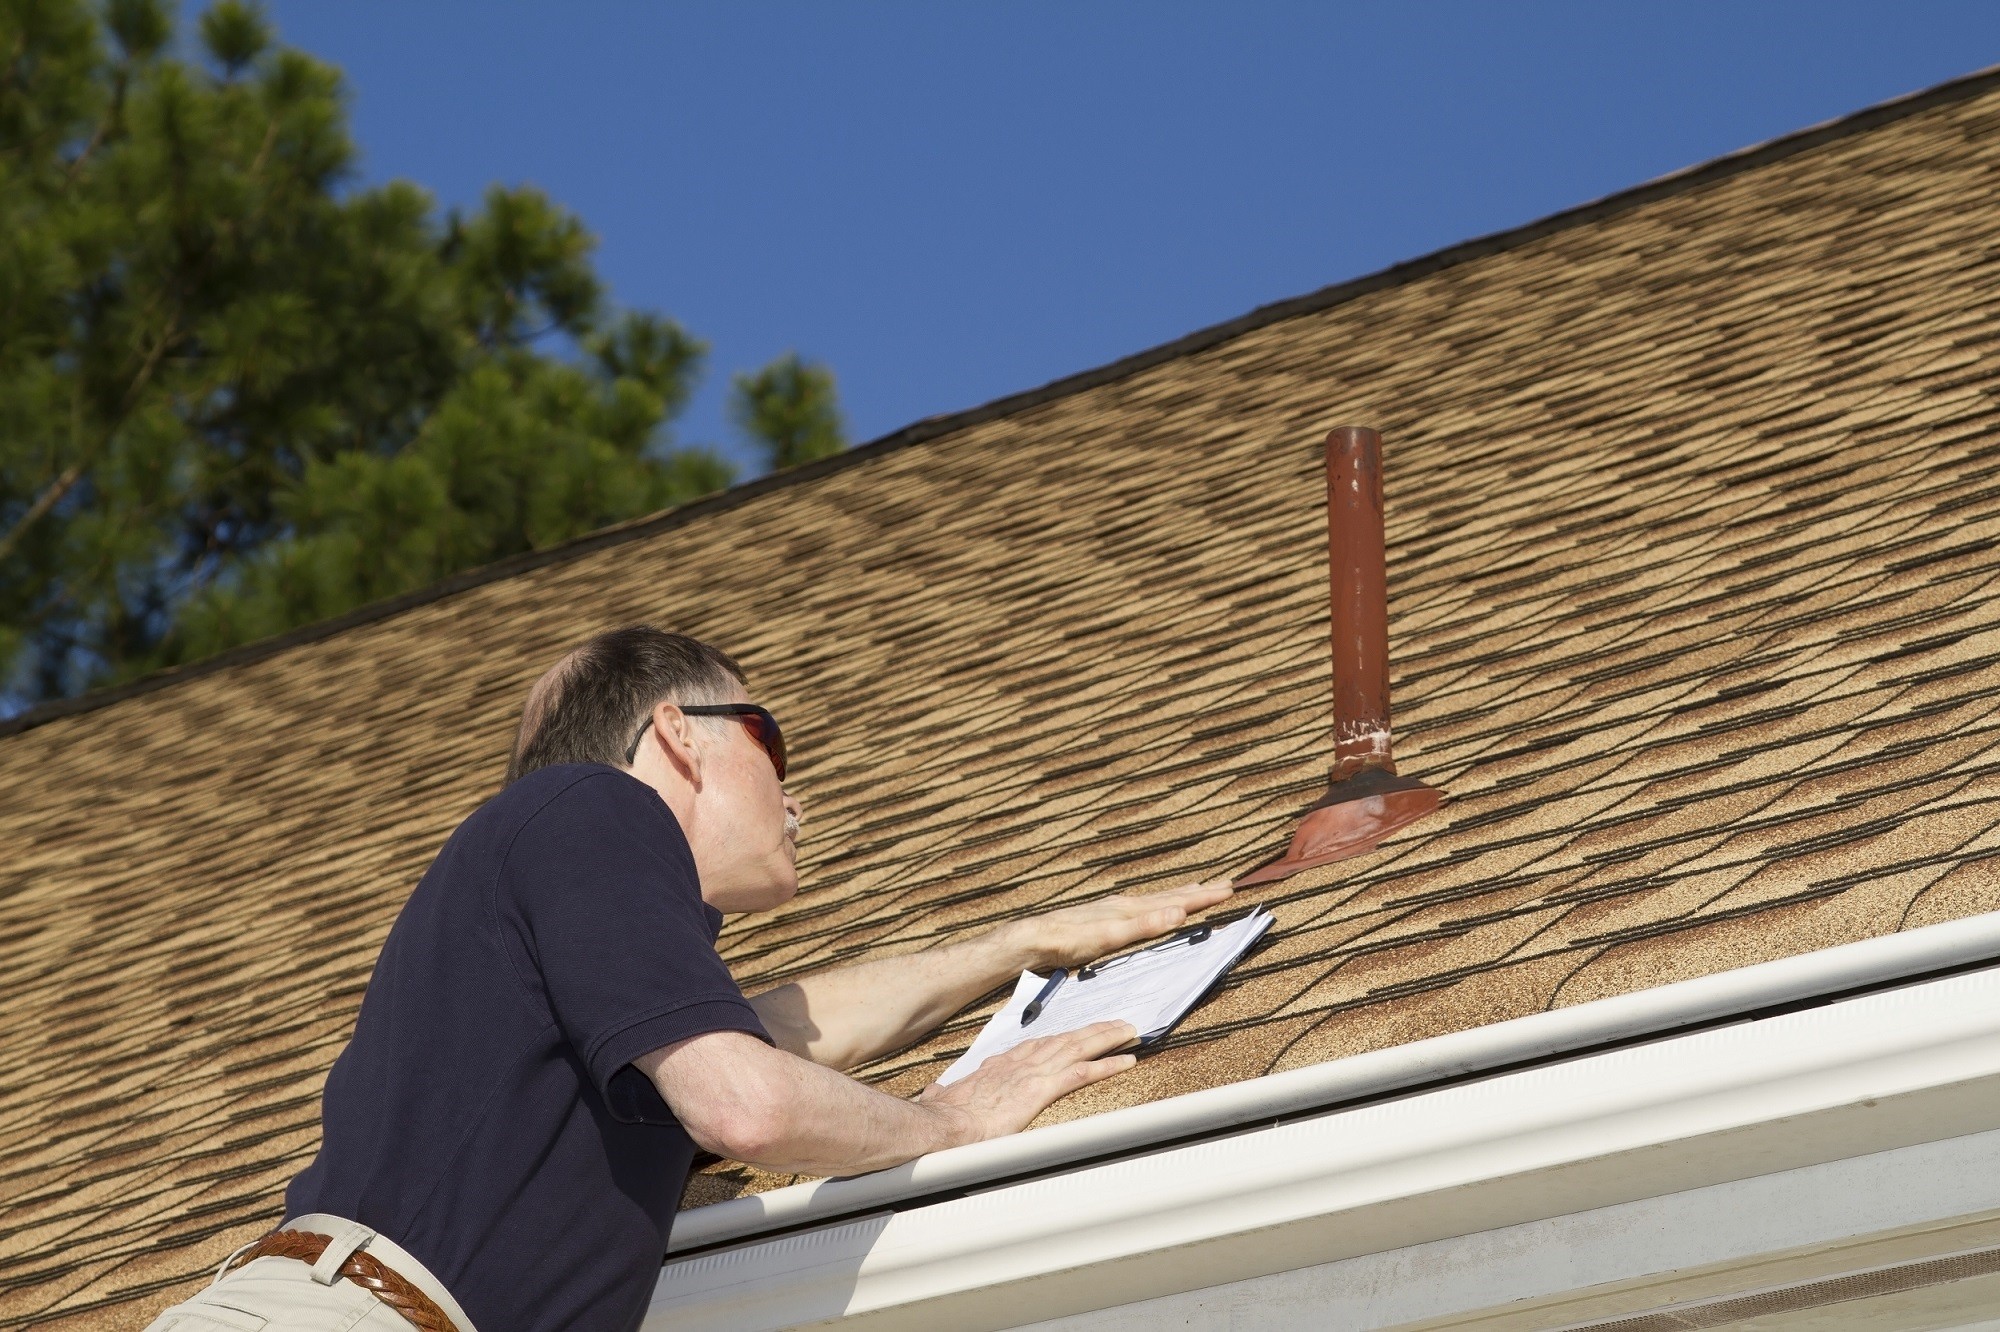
{"x":739,"y":1098}
{"x":850,"y":1015}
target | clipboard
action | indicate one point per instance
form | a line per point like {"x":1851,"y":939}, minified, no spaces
{"x":1152,"y":988}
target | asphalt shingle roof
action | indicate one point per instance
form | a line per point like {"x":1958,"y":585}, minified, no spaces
{"x":1693,"y":525}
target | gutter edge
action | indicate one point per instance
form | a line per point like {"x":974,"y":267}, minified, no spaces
{"x":1801,"y":979}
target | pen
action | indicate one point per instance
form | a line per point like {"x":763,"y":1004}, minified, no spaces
{"x":1041,"y":1001}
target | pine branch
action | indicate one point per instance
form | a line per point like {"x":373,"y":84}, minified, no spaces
{"x":97,"y":136}
{"x":72,"y":474}
{"x":264,"y":149}
{"x":47,"y":500}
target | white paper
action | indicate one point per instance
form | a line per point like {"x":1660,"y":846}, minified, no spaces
{"x":1150,"y":989}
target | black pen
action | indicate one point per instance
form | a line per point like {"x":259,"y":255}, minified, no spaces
{"x":1041,"y":1001}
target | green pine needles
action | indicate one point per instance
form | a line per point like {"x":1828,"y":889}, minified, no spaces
{"x":791,"y":406}
{"x":237,"y":396}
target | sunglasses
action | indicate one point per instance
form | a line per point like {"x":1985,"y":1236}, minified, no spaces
{"x":763,"y":729}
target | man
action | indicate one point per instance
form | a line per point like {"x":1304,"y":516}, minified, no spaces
{"x":549,"y":1034}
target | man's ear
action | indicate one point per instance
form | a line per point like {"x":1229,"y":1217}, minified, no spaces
{"x":678,"y":740}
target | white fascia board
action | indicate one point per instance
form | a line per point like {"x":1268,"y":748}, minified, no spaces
{"x":1873,"y":1073}
{"x":1584,"y":1026}
{"x":1767,"y":1232}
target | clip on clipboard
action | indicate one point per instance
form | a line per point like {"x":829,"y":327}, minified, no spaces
{"x":1193,"y":934}
{"x":1152,"y":989}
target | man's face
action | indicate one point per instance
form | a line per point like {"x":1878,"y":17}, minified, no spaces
{"x":746,"y":835}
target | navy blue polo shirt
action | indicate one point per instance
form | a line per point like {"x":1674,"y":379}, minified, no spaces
{"x":486,"y":1115}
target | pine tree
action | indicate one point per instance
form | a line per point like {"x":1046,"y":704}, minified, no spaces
{"x":791,"y":408}
{"x":237,"y":394}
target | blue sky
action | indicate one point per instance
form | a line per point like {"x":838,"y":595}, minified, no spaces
{"x":949,"y":202}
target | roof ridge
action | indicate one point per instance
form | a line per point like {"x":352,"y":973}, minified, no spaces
{"x":929,"y":428}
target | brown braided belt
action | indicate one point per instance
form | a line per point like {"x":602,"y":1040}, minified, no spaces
{"x":366,"y":1272}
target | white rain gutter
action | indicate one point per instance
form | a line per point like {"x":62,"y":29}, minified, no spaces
{"x":1769,"y":1101}
{"x":1538,"y":1036}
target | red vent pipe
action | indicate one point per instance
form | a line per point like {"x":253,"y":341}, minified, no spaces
{"x":1366,"y":800}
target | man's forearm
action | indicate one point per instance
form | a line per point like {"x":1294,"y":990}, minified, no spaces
{"x":850,"y":1015}
{"x":740,"y":1099}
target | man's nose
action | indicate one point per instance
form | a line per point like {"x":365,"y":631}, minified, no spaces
{"x":794,"y":808}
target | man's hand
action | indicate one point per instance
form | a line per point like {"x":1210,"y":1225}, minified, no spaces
{"x":1004,"y":1094}
{"x":1075,"y":935}
{"x":739,"y":1098}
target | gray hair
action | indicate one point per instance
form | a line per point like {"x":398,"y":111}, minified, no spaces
{"x":587,"y":706}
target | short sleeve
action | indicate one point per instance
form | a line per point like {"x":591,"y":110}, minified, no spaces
{"x":603,"y":886}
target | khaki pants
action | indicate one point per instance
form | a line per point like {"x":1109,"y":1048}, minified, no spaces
{"x":285,"y":1295}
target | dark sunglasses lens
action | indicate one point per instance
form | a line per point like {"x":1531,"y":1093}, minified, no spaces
{"x":773,"y":740}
